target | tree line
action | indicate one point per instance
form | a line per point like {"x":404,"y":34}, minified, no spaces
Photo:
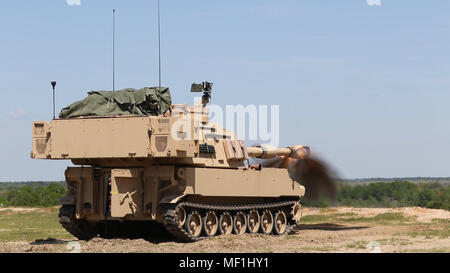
{"x":395,"y":194}
{"x":377,"y":194}
{"x":32,"y":195}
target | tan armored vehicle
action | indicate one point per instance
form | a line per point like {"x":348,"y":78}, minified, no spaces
{"x":141,"y":160}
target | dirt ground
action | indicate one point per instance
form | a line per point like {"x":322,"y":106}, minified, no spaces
{"x":339,"y":229}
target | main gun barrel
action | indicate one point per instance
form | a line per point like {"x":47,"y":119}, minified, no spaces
{"x":266,"y":152}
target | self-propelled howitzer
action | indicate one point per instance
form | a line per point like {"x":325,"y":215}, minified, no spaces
{"x":141,"y":160}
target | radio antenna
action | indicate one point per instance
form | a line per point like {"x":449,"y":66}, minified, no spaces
{"x":53,"y":86}
{"x":114,"y":51}
{"x":159,"y":48}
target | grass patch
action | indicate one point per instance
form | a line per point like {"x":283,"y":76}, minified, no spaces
{"x":31,"y":226}
{"x":443,"y":233}
{"x":429,"y":234}
{"x":439,"y":228}
{"x":384,"y":218}
{"x":335,"y":217}
{"x":320,"y":249}
{"x":381,"y":219}
{"x":444,"y":222}
{"x":433,"y":250}
{"x":358,"y":245}
{"x":394,"y":241}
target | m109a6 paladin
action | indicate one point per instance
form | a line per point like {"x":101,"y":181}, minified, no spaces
{"x":142,"y":160}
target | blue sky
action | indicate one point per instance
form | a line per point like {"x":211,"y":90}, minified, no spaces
{"x":367,"y":87}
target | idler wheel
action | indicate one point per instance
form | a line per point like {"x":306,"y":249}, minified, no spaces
{"x":193,"y":224}
{"x":240,"y":223}
{"x":181,"y":216}
{"x":225,"y":223}
{"x":210,"y":223}
{"x":267,"y":222}
{"x":280,"y":223}
{"x":253,"y":221}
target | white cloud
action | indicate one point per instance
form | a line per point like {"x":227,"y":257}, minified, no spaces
{"x":373,"y":2}
{"x":18,"y":113}
{"x":73,"y":2}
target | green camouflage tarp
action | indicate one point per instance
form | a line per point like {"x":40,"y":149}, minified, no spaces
{"x":143,"y":102}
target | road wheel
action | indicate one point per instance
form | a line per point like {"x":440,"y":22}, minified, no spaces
{"x":193,"y":224}
{"x":240,"y":223}
{"x":253,"y":221}
{"x":267,"y":222}
{"x":225,"y":224}
{"x":280,"y":223}
{"x":211,"y":224}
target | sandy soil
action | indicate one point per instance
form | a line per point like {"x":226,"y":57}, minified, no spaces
{"x":18,"y":209}
{"x":423,"y":214}
{"x":315,"y":237}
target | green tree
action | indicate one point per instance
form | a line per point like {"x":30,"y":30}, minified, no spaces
{"x":36,"y":196}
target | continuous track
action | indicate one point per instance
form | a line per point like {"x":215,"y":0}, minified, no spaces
{"x":78,"y":228}
{"x":85,"y":231}
{"x":172,"y":225}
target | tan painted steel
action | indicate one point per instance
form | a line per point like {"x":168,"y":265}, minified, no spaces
{"x":126,"y":192}
{"x":100,"y":138}
{"x":85,"y":188}
{"x":144,"y":162}
{"x":268,"y":182}
{"x":299,"y":152}
{"x":138,"y":192}
{"x":173,"y":138}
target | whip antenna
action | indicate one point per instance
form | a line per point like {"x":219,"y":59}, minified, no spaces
{"x":159,"y":48}
{"x":53,"y":86}
{"x":114,"y":51}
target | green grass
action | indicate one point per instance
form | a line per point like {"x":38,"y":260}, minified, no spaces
{"x":445,"y":222}
{"x":433,"y":250}
{"x":380,"y":219}
{"x":319,"y":249}
{"x":358,"y":245}
{"x":325,"y":218}
{"x":393,"y":241}
{"x":439,"y":229}
{"x":429,"y":234}
{"x":265,"y":250}
{"x":31,"y":226}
